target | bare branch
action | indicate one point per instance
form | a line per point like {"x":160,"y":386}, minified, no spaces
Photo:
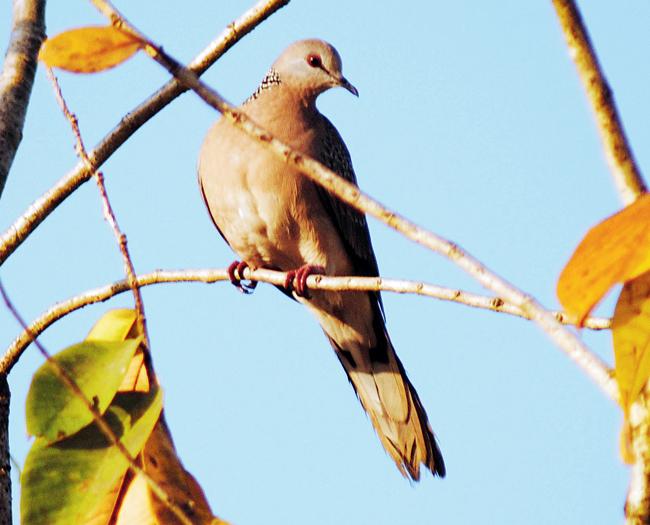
{"x":17,"y":77}
{"x":620,"y":159}
{"x":352,"y":195}
{"x":109,"y":214}
{"x":314,"y":282}
{"x":36,"y":213}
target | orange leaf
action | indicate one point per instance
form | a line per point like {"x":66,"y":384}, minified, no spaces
{"x":89,"y":49}
{"x":614,"y":251}
{"x":161,"y":462}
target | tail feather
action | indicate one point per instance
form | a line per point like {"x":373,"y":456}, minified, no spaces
{"x":394,"y":409}
{"x":354,"y":325}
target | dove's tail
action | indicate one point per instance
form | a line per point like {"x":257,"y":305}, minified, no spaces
{"x":392,"y":403}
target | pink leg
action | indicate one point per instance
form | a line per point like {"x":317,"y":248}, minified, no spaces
{"x":299,"y":275}
{"x":235,"y":272}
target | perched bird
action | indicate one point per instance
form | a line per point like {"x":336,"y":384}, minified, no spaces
{"x":274,"y":217}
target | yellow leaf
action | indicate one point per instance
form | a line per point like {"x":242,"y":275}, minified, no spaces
{"x":137,"y":378}
{"x":114,"y":325}
{"x":89,"y":49}
{"x":105,"y":506}
{"x":631,"y":338}
{"x":118,"y":325}
{"x":614,"y":251}
{"x":625,"y":444}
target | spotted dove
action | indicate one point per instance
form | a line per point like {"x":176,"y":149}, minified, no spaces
{"x":274,"y":217}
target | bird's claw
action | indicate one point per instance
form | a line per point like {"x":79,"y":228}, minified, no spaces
{"x":299,"y":277}
{"x":235,"y":273}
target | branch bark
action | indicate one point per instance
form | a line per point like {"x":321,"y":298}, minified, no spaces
{"x":17,"y":77}
{"x":637,"y":504}
{"x":16,"y":81}
{"x":314,"y":282}
{"x":628,"y":179}
{"x":36,"y":213}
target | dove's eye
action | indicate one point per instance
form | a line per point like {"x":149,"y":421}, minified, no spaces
{"x":314,"y":61}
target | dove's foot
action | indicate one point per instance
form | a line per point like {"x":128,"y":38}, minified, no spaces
{"x":296,"y":280}
{"x":235,"y":273}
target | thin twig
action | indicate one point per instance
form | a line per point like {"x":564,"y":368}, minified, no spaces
{"x":36,"y":213}
{"x":109,"y":214}
{"x":314,"y":282}
{"x":627,"y":177}
{"x":352,"y":195}
{"x":103,"y":426}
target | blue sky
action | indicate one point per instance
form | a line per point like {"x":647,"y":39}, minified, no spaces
{"x":472,"y":122}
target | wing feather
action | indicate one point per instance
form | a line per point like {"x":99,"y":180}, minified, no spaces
{"x":350,"y":223}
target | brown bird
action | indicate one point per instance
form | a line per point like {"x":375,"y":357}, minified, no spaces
{"x":274,"y":217}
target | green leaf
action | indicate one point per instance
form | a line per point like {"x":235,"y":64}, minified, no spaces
{"x":63,"y":482}
{"x":53,"y":411}
{"x":114,"y":325}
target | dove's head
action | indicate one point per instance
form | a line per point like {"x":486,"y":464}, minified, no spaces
{"x":311,"y":67}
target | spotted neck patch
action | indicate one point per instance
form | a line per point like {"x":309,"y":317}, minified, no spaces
{"x":271,"y":79}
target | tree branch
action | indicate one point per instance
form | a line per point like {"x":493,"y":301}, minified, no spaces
{"x":36,"y":213}
{"x":16,"y":81}
{"x":109,"y":214}
{"x":17,"y":77}
{"x":628,"y":179}
{"x":314,"y":282}
{"x":352,"y":195}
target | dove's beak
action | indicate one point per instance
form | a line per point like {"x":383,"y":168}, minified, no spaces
{"x":343,"y":82}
